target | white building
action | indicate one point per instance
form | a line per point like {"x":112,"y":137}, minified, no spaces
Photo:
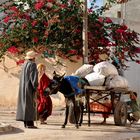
{"x":130,"y":14}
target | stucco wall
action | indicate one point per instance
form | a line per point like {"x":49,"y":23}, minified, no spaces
{"x":9,"y":83}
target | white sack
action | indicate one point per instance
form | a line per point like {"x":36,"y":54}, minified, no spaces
{"x":105,"y":68}
{"x":116,"y":81}
{"x":95,"y":79}
{"x":84,"y":70}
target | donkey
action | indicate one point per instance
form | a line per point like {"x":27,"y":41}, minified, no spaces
{"x":64,"y":85}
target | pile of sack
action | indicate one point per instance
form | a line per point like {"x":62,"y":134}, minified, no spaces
{"x":102,"y":74}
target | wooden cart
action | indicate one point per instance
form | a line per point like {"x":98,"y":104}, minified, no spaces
{"x":96,"y":94}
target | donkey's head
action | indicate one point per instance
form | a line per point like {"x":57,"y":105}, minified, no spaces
{"x":56,"y":83}
{"x":58,"y":78}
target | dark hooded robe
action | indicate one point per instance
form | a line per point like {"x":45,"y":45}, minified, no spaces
{"x":26,"y":110}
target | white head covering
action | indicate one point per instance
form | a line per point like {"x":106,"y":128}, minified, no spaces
{"x":103,"y":56}
{"x":30,"y":55}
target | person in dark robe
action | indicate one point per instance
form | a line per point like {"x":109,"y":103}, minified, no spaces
{"x":44,"y":100}
{"x":26,"y":109}
{"x":134,"y":106}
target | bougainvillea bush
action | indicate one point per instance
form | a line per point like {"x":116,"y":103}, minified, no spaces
{"x":53,"y":27}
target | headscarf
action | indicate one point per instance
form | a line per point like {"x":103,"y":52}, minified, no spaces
{"x":41,"y":70}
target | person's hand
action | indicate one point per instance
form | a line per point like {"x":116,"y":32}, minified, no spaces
{"x":47,"y":91}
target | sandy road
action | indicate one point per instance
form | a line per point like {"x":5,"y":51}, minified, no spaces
{"x":53,"y":130}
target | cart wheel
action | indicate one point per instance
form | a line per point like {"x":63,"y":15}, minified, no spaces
{"x":71,"y":113}
{"x":120,"y":114}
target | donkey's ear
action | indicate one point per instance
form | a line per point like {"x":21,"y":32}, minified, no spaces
{"x":63,"y":75}
{"x":54,"y":73}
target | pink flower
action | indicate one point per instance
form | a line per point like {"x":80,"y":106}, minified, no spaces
{"x":90,"y":10}
{"x":14,"y":8}
{"x":124,"y":27}
{"x":26,"y":16}
{"x":46,"y":33}
{"x":137,"y":50}
{"x":50,"y":0}
{"x":108,"y":20}
{"x":46,"y":24}
{"x":20,"y":62}
{"x":100,"y":19}
{"x":35,"y":39}
{"x":77,"y":31}
{"x":119,"y":30}
{"x":6,"y":19}
{"x":72,"y":51}
{"x":111,"y":44}
{"x":121,"y":1}
{"x":24,"y":26}
{"x":98,"y":25}
{"x":34,"y":23}
{"x":63,"y":5}
{"x":13,"y":50}
{"x":138,"y":61}
{"x":39,"y":5}
{"x":14,"y":15}
{"x":49,"y":5}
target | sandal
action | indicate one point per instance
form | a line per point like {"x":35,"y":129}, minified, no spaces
{"x":32,"y":127}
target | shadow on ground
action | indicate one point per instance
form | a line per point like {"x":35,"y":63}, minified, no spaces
{"x":14,"y":130}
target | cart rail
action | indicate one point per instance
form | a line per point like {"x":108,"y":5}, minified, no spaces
{"x":116,"y":106}
{"x":106,"y":89}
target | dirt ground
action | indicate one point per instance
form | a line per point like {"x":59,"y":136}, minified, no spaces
{"x":53,"y":130}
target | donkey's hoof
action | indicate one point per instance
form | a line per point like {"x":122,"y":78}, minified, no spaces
{"x":63,"y":126}
{"x":77,"y":126}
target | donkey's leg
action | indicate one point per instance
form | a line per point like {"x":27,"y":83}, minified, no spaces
{"x":66,"y":116}
{"x":75,"y":115}
{"x":81,"y":113}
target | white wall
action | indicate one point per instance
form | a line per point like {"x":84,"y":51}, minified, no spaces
{"x":132,"y":19}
